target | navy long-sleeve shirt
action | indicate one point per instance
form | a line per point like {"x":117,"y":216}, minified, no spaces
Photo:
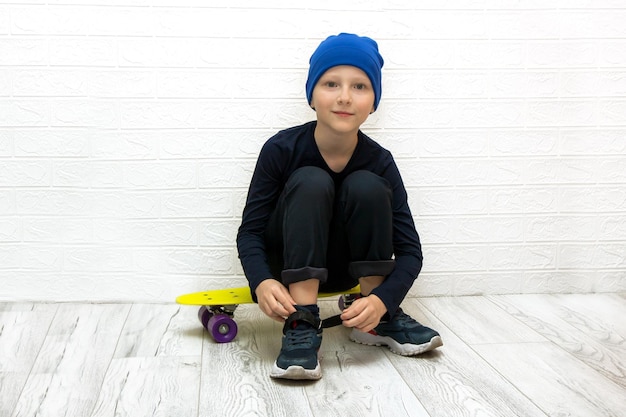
{"x":294,"y":148}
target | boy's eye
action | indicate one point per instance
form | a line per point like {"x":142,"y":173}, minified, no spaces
{"x":331,"y":84}
{"x":360,"y":86}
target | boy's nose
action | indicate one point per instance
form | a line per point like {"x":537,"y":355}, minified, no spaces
{"x":344,"y":96}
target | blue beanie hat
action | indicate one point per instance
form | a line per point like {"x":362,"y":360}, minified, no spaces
{"x":346,"y":49}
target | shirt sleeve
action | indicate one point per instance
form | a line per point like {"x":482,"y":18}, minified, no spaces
{"x":265,"y":187}
{"x":406,"y":244}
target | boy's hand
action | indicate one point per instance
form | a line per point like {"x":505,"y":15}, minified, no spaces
{"x":274,"y":300}
{"x":364,"y":314}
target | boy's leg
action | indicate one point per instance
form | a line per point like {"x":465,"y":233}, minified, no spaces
{"x":369,"y":283}
{"x":298,"y":232}
{"x":305,"y":292}
{"x":360,"y":241}
{"x":367,"y":201}
{"x":300,"y":225}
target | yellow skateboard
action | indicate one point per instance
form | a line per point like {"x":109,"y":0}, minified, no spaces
{"x":218,"y":308}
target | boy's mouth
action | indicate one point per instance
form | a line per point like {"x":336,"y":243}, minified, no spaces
{"x":342,"y":113}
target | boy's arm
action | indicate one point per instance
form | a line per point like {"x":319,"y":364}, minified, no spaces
{"x":262,"y":196}
{"x":407,"y":247}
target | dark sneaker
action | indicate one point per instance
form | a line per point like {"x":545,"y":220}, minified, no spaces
{"x":402,"y":334}
{"x":302,"y":337}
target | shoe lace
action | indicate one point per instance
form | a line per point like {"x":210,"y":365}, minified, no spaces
{"x":300,"y":328}
{"x":299,"y":337}
{"x":405,"y":319}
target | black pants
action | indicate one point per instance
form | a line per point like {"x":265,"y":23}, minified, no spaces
{"x":334,"y":234}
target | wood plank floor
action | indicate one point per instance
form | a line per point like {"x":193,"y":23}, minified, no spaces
{"x":522,"y":355}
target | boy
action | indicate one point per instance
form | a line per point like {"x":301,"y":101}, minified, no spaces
{"x":327,"y":209}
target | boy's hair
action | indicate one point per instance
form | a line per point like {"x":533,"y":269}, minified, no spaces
{"x":346,"y":49}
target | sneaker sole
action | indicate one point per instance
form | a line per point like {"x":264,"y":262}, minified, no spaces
{"x":406,"y":349}
{"x":296,"y":372}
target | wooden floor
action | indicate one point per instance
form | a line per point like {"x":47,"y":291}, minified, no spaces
{"x":526,"y":355}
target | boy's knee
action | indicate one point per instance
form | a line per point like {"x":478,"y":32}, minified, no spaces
{"x":366,"y":186}
{"x":311,"y":181}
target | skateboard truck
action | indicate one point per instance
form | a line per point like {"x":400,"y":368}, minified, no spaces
{"x":218,"y":320}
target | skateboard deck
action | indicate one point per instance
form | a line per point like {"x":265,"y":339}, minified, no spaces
{"x":226,"y":296}
{"x":236,"y":296}
{"x":218,"y":308}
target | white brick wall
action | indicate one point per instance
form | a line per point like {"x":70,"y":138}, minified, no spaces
{"x":129,"y":131}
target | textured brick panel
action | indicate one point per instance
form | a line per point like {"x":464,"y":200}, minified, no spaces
{"x":129,"y":133}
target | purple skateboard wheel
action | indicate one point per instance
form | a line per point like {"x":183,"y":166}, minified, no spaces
{"x":204,"y":315}
{"x":222,"y":328}
{"x":346,"y":300}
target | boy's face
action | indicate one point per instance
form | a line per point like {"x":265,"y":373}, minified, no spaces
{"x":343,"y":98}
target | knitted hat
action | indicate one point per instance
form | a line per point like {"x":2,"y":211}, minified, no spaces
{"x":346,"y":49}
